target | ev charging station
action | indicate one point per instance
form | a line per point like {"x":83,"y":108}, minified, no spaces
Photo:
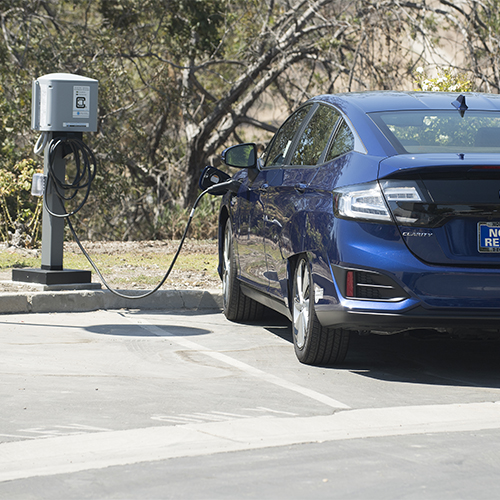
{"x":63,"y":107}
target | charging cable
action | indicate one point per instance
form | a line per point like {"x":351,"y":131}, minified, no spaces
{"x":86,"y":167}
{"x":41,"y":143}
{"x":85,"y":170}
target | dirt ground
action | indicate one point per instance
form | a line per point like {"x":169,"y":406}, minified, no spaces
{"x":205,"y":279}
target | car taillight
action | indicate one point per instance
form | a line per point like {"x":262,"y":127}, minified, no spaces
{"x":403,"y":197}
{"x":376,"y":202}
{"x":361,"y":202}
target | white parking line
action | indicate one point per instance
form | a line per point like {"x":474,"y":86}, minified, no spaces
{"x":67,"y":454}
{"x":244,"y":367}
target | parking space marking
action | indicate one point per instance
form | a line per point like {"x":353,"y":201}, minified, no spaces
{"x":53,"y":431}
{"x":244,"y":367}
{"x":68,"y":454}
{"x":218,"y":416}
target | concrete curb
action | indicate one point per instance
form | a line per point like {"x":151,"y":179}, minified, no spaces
{"x":92,"y":300}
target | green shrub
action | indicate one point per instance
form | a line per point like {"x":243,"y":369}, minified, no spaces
{"x":20,"y":212}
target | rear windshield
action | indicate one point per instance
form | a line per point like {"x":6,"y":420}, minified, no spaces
{"x":441,"y":131}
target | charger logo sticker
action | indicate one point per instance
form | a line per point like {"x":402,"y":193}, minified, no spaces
{"x":81,"y":101}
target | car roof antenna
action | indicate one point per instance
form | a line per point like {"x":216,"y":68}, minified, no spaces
{"x":460,"y":105}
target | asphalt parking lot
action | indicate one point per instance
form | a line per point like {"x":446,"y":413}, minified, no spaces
{"x":181,"y":403}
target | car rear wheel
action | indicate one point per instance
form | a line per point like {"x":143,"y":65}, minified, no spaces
{"x":236,"y":305}
{"x":314,"y":344}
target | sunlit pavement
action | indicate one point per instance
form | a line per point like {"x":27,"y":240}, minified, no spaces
{"x":154,"y":404}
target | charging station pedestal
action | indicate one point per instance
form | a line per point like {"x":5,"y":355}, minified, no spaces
{"x":62,"y":105}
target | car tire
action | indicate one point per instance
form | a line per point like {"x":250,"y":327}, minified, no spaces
{"x":314,"y":344}
{"x":236,"y":305}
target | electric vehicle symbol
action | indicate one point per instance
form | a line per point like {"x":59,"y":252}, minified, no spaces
{"x":80,"y":102}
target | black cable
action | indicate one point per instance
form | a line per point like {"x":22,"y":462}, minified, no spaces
{"x":86,"y":167}
{"x":85,"y":171}
{"x":150,"y":292}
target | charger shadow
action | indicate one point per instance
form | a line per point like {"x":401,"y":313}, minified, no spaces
{"x":138,"y":331}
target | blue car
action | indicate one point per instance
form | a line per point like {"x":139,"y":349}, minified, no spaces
{"x":374,"y":212}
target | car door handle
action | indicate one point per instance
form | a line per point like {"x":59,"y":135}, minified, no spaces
{"x":300,"y":187}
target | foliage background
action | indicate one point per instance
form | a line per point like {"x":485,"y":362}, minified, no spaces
{"x":179,"y":80}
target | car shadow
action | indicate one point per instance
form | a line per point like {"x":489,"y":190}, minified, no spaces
{"x":430,"y":360}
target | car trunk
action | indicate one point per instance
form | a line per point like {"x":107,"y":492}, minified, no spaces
{"x":452,"y":215}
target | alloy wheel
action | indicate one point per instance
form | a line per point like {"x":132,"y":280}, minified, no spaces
{"x":226,"y":263}
{"x":301,"y":304}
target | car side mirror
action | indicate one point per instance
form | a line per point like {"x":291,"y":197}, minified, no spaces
{"x":240,"y":156}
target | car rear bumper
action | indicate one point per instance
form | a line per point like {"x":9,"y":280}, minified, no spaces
{"x":422,"y":296}
{"x":450,"y":300}
{"x":415,"y":318}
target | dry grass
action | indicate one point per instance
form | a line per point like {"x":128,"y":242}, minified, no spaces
{"x":134,"y":265}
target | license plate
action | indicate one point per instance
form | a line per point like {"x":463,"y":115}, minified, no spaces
{"x":488,"y":237}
